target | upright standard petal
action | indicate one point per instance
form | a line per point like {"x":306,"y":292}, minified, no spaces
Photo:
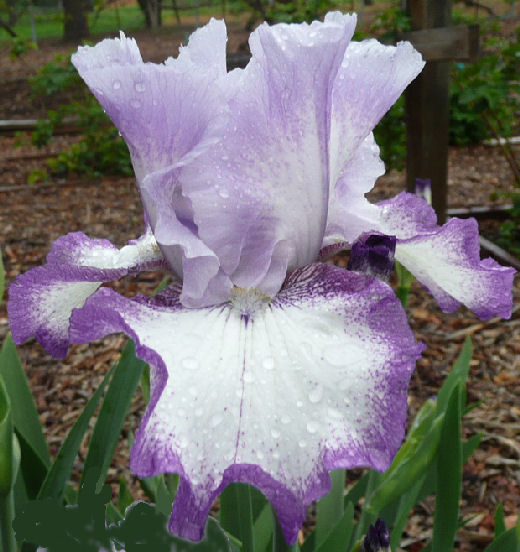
{"x":164,"y":112}
{"x":260,"y":196}
{"x":41,"y":300}
{"x":446,"y":259}
{"x":272,"y":394}
{"x":370,"y":79}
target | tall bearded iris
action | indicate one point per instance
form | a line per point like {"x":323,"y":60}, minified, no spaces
{"x":267,"y":367}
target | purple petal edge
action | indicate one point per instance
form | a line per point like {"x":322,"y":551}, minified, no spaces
{"x":188,"y":514}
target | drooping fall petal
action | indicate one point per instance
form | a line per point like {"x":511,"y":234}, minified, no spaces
{"x":313,"y":381}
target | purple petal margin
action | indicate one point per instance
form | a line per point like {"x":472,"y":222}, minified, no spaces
{"x":446,"y":259}
{"x":367,"y":310}
{"x":41,"y":300}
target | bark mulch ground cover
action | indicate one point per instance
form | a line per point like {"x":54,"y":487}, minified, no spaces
{"x":31,"y":218}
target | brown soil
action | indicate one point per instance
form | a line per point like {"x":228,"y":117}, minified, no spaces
{"x":32,"y":218}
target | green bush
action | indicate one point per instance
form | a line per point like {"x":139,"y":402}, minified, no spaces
{"x":100,"y":150}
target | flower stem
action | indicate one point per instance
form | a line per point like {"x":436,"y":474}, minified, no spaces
{"x":405,"y":279}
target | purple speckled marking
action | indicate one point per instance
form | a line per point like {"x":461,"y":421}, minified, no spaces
{"x":359,"y":299}
{"x":42,"y":299}
{"x":446,"y":259}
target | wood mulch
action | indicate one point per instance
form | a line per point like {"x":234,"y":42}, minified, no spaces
{"x":32,"y":218}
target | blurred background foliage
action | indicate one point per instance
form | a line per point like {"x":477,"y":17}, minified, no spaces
{"x":485,"y":95}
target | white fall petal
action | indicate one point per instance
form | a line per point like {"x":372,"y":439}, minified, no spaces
{"x":315,"y":380}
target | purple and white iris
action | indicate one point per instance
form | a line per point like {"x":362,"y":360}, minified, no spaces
{"x":267,"y":367}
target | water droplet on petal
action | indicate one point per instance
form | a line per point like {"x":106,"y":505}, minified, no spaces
{"x":268,"y":363}
{"x":215,"y":421}
{"x":140,"y":87}
{"x":299,"y":404}
{"x":136,"y":104}
{"x":275,"y":433}
{"x":224,"y":194}
{"x":276,"y":455}
{"x":248,"y":377}
{"x":285,"y":419}
{"x":316,"y":394}
{"x":302,"y":444}
{"x":116,"y":85}
{"x":259,"y":455}
{"x":312,"y":427}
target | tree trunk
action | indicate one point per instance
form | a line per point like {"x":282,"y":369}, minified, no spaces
{"x":152,"y":10}
{"x":75,"y":20}
{"x":12,"y":12}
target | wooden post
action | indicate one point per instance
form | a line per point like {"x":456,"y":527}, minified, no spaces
{"x":427,"y":111}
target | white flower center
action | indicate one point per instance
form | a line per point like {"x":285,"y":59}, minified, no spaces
{"x":247,"y":301}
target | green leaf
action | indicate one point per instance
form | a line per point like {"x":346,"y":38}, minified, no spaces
{"x":236,"y":514}
{"x":500,"y":521}
{"x":330,"y":508}
{"x":113,"y":412}
{"x":341,"y":533}
{"x":368,"y":515}
{"x":25,"y":416}
{"x":59,"y":473}
{"x":32,"y":468}
{"x":420,"y":428}
{"x":449,"y":476}
{"x":410,"y":470}
{"x":407,"y":502}
{"x":279,"y":542}
{"x":8,"y":468}
{"x":507,"y":542}
{"x":263,"y":528}
{"x":457,"y":376}
{"x":357,"y":491}
{"x":125,"y":496}
{"x":6,"y":442}
{"x":2,"y":278}
{"x":143,"y":524}
{"x":470,"y":445}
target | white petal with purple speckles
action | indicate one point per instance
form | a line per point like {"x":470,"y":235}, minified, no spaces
{"x":313,"y":381}
{"x":446,"y":259}
{"x":41,"y":300}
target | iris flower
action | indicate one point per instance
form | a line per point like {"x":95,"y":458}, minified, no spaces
{"x":267,"y":366}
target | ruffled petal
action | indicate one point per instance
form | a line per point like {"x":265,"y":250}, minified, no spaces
{"x":371,"y":78}
{"x":313,"y":381}
{"x":41,"y":300}
{"x":260,"y":196}
{"x":204,"y":282}
{"x":350,"y":213}
{"x":164,"y":112}
{"x":446,"y":259}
